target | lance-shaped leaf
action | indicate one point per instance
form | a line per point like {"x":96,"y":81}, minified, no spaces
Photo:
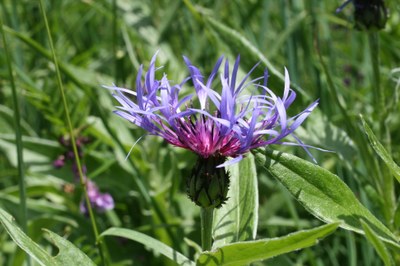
{"x":237,"y":219}
{"x":381,"y":151}
{"x":149,"y":242}
{"x":322,"y":193}
{"x":242,"y":253}
{"x":378,"y":244}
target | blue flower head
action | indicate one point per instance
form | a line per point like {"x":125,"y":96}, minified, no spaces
{"x":218,"y":120}
{"x":226,"y":122}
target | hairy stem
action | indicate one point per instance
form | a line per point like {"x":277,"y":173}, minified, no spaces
{"x":206,"y":216}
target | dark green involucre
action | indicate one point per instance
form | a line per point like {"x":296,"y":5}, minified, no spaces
{"x":370,"y":14}
{"x":208,"y":185}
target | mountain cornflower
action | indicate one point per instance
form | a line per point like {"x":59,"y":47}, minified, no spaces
{"x":223,"y":117}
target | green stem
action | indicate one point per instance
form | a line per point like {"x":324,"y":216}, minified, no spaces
{"x":357,"y":136}
{"x":114,"y":41}
{"x":17,"y":52}
{"x":18,"y":138}
{"x":290,"y":43}
{"x":379,"y":94}
{"x":71,"y":133}
{"x":383,"y":132}
{"x":206,"y":217}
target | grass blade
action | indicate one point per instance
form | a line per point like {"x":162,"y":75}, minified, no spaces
{"x":18,"y":137}
{"x":71,"y":133}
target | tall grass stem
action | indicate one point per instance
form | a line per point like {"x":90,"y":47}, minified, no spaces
{"x":290,"y":42}
{"x":17,"y":52}
{"x":383,"y":131}
{"x":114,"y":39}
{"x":71,"y":133}
{"x":23,"y":219}
{"x":379,"y":95}
{"x":379,"y":92}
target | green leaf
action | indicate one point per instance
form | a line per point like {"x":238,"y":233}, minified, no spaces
{"x":242,"y":253}
{"x":7,"y":123}
{"x":237,"y":219}
{"x":322,"y":193}
{"x":381,"y":151}
{"x":321,"y":132}
{"x":68,"y":253}
{"x":23,"y":241}
{"x":150,"y":243}
{"x":396,"y":219}
{"x":36,"y":150}
{"x":378,"y":244}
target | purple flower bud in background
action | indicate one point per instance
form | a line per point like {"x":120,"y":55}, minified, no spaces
{"x":99,"y":201}
{"x":60,"y":162}
{"x":82,"y":207}
{"x":104,"y":202}
{"x":70,"y":155}
{"x":76,"y":172}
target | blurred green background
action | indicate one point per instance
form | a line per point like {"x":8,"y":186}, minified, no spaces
{"x":104,"y":42}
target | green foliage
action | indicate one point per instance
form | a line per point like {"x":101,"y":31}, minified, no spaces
{"x":381,"y":151}
{"x":242,"y":253}
{"x":104,"y":42}
{"x":68,"y":254}
{"x":377,"y":243}
{"x":149,"y":242}
{"x":237,"y":219}
{"x":322,"y":193}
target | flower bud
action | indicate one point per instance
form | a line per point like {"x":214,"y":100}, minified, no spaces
{"x":369,"y":14}
{"x":208,"y":185}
